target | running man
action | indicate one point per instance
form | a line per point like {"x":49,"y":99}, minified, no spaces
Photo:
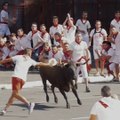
{"x":19,"y":77}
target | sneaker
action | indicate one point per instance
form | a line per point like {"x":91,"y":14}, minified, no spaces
{"x":87,"y":89}
{"x":31,"y":107}
{"x":3,"y":112}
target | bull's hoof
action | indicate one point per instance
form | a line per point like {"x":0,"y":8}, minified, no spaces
{"x":79,"y":102}
{"x":56,"y":100}
{"x":47,"y":98}
{"x":68,"y":106}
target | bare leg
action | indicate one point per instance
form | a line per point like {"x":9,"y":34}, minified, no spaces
{"x":117,"y":71}
{"x":97,"y":65}
{"x":102,"y":64}
{"x":16,"y":95}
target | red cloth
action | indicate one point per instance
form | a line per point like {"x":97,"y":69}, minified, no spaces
{"x":103,"y":104}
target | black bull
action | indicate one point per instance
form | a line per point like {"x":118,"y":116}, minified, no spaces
{"x":62,"y":77}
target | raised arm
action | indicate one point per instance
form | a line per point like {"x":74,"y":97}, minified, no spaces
{"x":6,"y":61}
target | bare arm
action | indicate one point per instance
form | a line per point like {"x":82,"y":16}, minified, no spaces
{"x":6,"y":61}
{"x":93,"y":117}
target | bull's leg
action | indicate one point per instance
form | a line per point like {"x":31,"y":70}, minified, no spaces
{"x":75,"y":93}
{"x":64,"y":95}
{"x":76,"y":86}
{"x":45,"y":90}
{"x":55,"y":97}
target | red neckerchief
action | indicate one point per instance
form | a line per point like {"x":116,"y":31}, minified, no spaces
{"x":54,"y":54}
{"x":117,"y":19}
{"x":34,"y":32}
{"x":108,"y":49}
{"x":55,"y":25}
{"x":58,"y":40}
{"x":43,"y":33}
{"x":67,"y":54}
{"x":83,"y":20}
{"x":103,"y":104}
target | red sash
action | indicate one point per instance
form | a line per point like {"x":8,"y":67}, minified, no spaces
{"x":103,"y":104}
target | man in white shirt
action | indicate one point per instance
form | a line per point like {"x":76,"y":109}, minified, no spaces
{"x":56,"y":54}
{"x":80,"y":56}
{"x":56,"y":27}
{"x":116,"y":21}
{"x":4,"y":20}
{"x":20,"y":44}
{"x":107,"y":108}
{"x":97,"y":36}
{"x":36,"y":41}
{"x":69,"y":29}
{"x":116,"y":41}
{"x":107,"y":56}
{"x":44,"y":34}
{"x":83,"y":26}
{"x":19,"y":77}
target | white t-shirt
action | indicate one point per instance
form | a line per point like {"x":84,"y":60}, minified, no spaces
{"x":78,"y":50}
{"x":54,"y":29}
{"x":98,"y":37}
{"x":36,"y":38}
{"x":109,"y":113}
{"x":70,"y":34}
{"x":117,"y":44}
{"x":2,"y":15}
{"x":46,"y":38}
{"x":85,"y":25}
{"x":6,"y":52}
{"x":22,"y":43}
{"x":22,"y":65}
{"x":116,"y":24}
{"x":110,"y":52}
{"x":58,"y":56}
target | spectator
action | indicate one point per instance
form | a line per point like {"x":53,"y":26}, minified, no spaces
{"x":57,"y":54}
{"x":44,"y":34}
{"x":97,"y":36}
{"x":80,"y":56}
{"x":107,"y":57}
{"x":56,"y":27}
{"x":44,"y":55}
{"x":35,"y":40}
{"x":83,"y":26}
{"x":59,"y":40}
{"x":4,"y":20}
{"x":107,"y":108}
{"x":116,"y":21}
{"x":69,"y":29}
{"x":116,"y":40}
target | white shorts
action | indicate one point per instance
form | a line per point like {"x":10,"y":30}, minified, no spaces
{"x":112,"y":67}
{"x":95,"y":54}
{"x":116,"y":59}
{"x":86,"y":39}
{"x":4,"y":29}
{"x":83,"y":69}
